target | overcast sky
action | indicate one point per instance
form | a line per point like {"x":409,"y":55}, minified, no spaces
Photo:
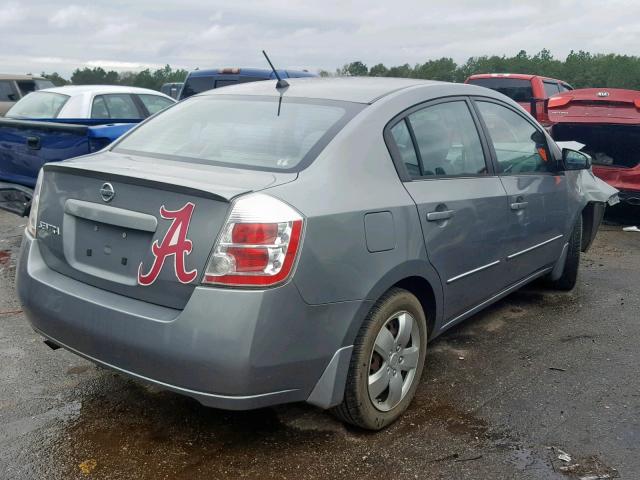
{"x":38,"y":35}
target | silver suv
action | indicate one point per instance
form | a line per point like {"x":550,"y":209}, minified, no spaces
{"x":252,"y":246}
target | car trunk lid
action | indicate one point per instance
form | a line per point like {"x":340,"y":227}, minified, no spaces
{"x":138,"y":226}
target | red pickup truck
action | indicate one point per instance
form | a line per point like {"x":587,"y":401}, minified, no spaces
{"x":530,"y":91}
{"x":607,"y":122}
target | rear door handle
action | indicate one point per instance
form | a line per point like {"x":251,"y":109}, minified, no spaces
{"x":33,"y":143}
{"x":437,"y":216}
{"x":519,"y":205}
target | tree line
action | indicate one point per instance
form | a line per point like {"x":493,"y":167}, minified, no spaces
{"x":99,"y":76}
{"x":580,"y":69}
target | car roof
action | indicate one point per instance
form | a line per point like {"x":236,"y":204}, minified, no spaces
{"x":72,"y":90}
{"x":346,"y":89}
{"x":517,"y":76}
{"x":9,"y":76}
{"x":249,"y":72}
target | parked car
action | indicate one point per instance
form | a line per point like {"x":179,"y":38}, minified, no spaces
{"x":200,"y":81}
{"x":14,"y":87}
{"x":607,"y":122}
{"x":172,"y":89}
{"x":59,"y":123}
{"x":530,"y":91}
{"x":251,"y":247}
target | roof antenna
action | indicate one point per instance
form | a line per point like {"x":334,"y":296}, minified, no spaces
{"x":281,"y":83}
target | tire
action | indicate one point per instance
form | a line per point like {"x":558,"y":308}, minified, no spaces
{"x":570,"y":273}
{"x":397,"y":312}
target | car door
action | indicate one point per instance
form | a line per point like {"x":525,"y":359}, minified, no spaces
{"x":463,"y":212}
{"x":537,"y":191}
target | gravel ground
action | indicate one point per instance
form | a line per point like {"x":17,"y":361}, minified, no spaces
{"x":538,"y":376}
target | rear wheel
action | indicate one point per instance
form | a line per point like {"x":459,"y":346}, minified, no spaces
{"x":569,"y":276}
{"x":387,"y":362}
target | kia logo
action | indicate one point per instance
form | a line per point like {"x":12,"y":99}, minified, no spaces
{"x":107,"y":192}
{"x":603,"y":94}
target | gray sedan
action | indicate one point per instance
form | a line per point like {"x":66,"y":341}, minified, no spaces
{"x":256,"y":245}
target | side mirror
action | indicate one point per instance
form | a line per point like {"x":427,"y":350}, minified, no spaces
{"x":575,"y":160}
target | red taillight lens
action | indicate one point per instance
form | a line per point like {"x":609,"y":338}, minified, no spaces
{"x":259,"y":244}
{"x":249,"y":259}
{"x":555,"y":102}
{"x":254,"y":233}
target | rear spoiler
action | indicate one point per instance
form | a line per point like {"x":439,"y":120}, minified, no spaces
{"x":15,"y":198}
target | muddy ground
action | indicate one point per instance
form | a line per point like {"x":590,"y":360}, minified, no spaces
{"x":538,"y":375}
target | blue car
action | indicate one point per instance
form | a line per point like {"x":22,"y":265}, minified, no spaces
{"x":56,"y":124}
{"x":200,"y":81}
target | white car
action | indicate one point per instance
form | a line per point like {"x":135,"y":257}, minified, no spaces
{"x":90,"y":102}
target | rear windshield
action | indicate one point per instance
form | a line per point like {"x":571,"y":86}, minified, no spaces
{"x":195,"y":85}
{"x":518,"y":90}
{"x":241,"y":132}
{"x":38,"y":105}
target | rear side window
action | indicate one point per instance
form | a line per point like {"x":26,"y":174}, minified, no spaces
{"x":241,"y":132}
{"x":116,"y":106}
{"x":154,"y":103}
{"x":195,"y":85}
{"x":551,"y":88}
{"x":447,"y":140}
{"x":38,"y":105}
{"x":514,"y":88}
{"x":402,"y":139}
{"x":6,"y":92}
{"x":520,"y":147}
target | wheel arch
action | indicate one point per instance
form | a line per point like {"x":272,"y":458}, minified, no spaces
{"x":417,"y":277}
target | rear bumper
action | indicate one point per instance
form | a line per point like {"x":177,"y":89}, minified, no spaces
{"x":232,"y":349}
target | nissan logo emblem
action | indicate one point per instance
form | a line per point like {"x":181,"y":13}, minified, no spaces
{"x":107,"y":192}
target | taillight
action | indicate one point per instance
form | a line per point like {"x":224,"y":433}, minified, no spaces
{"x":258,"y":245}
{"x":32,"y":224}
{"x":555,"y":102}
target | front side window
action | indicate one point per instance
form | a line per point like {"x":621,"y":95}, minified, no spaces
{"x":38,"y":105}
{"x":6,"y":92}
{"x":120,"y":106}
{"x":240,"y":132}
{"x":520,"y":147}
{"x":26,"y":86}
{"x":154,"y":103}
{"x":447,"y":140}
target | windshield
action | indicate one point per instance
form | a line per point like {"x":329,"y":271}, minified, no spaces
{"x":515,"y":89}
{"x":244,"y":132}
{"x":38,"y":105}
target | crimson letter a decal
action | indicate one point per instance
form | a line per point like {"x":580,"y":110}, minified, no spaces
{"x":174,"y":244}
